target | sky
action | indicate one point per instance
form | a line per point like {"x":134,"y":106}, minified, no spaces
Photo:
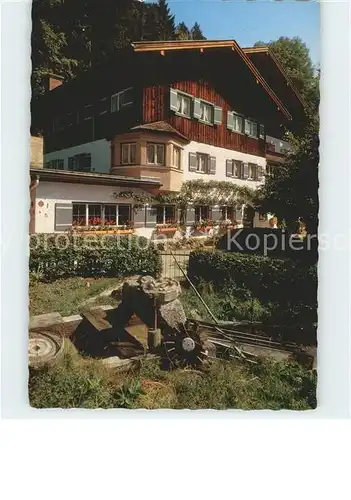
{"x":250,"y":21}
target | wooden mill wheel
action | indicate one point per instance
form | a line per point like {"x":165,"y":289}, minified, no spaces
{"x":186,"y":348}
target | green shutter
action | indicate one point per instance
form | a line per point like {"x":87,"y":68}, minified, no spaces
{"x":245,"y":170}
{"x":139,"y":216}
{"x":173,"y":100}
{"x":229,"y":168}
{"x":247,"y":127}
{"x":217,"y":115}
{"x":212,"y":165}
{"x":216,"y":213}
{"x":230,"y":120}
{"x":262,"y":131}
{"x":151,"y":213}
{"x":197,"y":108}
{"x":192,"y":162}
{"x":63,"y":216}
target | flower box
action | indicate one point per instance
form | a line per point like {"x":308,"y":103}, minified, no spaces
{"x":203,"y":229}
{"x":166,"y":229}
{"x":97,"y":232}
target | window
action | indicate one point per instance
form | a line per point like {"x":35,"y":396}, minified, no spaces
{"x":269,"y":169}
{"x":177,"y":152}
{"x":79,"y":214}
{"x":183,"y":105}
{"x":165,"y":214}
{"x":228,"y":213}
{"x":110,"y":215}
{"x":156,"y":154}
{"x":201,"y":163}
{"x":88,"y":112}
{"x":238,"y":125}
{"x":71,"y":119}
{"x":103,"y":105}
{"x":80,"y":162}
{"x":128,"y":153}
{"x":238,"y":169}
{"x":55,"y":164}
{"x":201,"y":213}
{"x":206,"y":112}
{"x":116,"y":215}
{"x":121,"y":99}
{"x":253,"y":172}
{"x":93,"y":214}
{"x":234,"y":168}
{"x":251,"y":128}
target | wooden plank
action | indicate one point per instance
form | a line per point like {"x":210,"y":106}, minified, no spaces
{"x":96,"y":318}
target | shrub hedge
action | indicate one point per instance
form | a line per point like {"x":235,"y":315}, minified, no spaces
{"x":60,"y":256}
{"x":288,"y":286}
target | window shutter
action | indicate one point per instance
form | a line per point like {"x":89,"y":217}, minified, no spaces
{"x":151,"y":213}
{"x":63,"y":216}
{"x":139,"y":217}
{"x":197,"y":109}
{"x":217,"y":120}
{"x":212,"y":165}
{"x":245,"y":170}
{"x":230,"y":120}
{"x":262,"y":132}
{"x":229,"y":168}
{"x":173,"y":100}
{"x":216,"y":213}
{"x":190,"y":216}
{"x":238,"y":215}
{"x":259,"y":172}
{"x":247,"y":127}
{"x":192,"y":162}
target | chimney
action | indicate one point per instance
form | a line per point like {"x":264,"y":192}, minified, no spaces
{"x":53,"y":81}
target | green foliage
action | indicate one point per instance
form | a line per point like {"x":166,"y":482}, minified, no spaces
{"x":228,"y":305}
{"x":196,"y":33}
{"x":71,"y":36}
{"x":128,"y":394}
{"x":291,"y":192}
{"x":67,"y":296}
{"x":84,"y":383}
{"x":284,"y":287}
{"x":294,"y":56}
{"x":197,"y":191}
{"x":73,"y":255}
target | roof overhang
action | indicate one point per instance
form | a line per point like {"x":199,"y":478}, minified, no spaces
{"x":265,"y":61}
{"x":47,"y":175}
{"x":163,"y":46}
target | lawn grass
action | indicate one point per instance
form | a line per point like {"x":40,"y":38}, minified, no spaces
{"x":78,"y":382}
{"x":66,"y":296}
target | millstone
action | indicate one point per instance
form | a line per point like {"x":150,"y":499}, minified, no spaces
{"x":43,"y":348}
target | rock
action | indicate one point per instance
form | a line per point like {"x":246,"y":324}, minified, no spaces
{"x":172,"y":315}
{"x":116,"y":362}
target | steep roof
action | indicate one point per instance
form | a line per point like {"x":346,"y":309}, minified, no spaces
{"x":202,"y":45}
{"x":160,"y":126}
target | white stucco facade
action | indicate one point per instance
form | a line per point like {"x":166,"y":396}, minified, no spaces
{"x":50,"y":193}
{"x":221,"y":155}
{"x":99,"y":150}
